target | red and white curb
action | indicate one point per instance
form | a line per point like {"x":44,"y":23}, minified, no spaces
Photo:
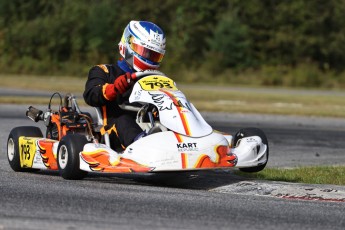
{"x":295,"y":191}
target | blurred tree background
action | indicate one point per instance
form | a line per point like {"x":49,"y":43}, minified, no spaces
{"x":298,"y":43}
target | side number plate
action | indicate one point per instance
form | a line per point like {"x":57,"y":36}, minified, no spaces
{"x":27,"y":149}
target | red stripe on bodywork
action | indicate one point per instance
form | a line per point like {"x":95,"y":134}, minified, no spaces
{"x":182,"y":116}
{"x":184,"y":160}
{"x":184,"y":156}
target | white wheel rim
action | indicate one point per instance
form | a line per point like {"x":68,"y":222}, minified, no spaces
{"x":63,"y":157}
{"x":10,"y":149}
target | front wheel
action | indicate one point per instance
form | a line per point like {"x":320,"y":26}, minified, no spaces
{"x":68,"y":156}
{"x":13,"y":154}
{"x":248,"y":132}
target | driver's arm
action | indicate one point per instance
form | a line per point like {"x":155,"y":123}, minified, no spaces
{"x":99,"y":89}
{"x":93,"y":93}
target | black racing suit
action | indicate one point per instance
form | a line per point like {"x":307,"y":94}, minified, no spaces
{"x":120,"y":124}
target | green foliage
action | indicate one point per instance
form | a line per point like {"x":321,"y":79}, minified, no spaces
{"x":192,"y":24}
{"x":230,"y":45}
{"x":294,"y":43}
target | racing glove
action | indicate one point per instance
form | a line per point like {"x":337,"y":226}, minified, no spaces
{"x":121,"y":84}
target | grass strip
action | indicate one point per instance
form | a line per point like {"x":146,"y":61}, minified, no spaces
{"x":44,"y":83}
{"x":19,"y":100}
{"x":205,"y":98}
{"x":272,"y":102}
{"x":309,"y":175}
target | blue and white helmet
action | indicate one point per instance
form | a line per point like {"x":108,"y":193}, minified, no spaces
{"x":142,"y":45}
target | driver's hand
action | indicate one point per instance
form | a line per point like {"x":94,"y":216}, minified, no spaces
{"x":121,"y":84}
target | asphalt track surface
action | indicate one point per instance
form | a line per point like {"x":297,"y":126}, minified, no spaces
{"x":198,"y":200}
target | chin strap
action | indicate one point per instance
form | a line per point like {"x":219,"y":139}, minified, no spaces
{"x":124,"y":66}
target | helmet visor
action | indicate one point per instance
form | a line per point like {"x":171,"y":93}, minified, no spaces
{"x":146,"y":52}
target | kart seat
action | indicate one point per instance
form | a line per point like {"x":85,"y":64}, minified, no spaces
{"x":100,"y":125}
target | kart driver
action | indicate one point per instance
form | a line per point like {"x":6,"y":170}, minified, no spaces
{"x":142,"y":47}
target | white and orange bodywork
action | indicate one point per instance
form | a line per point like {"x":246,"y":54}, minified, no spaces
{"x":163,"y":151}
{"x":187,"y":142}
{"x":38,"y":153}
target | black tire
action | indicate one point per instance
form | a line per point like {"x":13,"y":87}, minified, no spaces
{"x":68,"y":156}
{"x":247,"y":132}
{"x":13,"y":146}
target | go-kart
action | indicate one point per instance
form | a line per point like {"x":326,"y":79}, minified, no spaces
{"x":178,"y":138}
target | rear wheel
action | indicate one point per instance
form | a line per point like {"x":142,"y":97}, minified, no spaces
{"x":13,"y":154}
{"x":68,"y":156}
{"x":248,"y":132}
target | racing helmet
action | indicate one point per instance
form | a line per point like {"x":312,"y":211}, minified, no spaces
{"x":142,"y":45}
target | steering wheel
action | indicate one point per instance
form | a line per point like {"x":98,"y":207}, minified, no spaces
{"x":135,"y":77}
{"x":138,"y":75}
